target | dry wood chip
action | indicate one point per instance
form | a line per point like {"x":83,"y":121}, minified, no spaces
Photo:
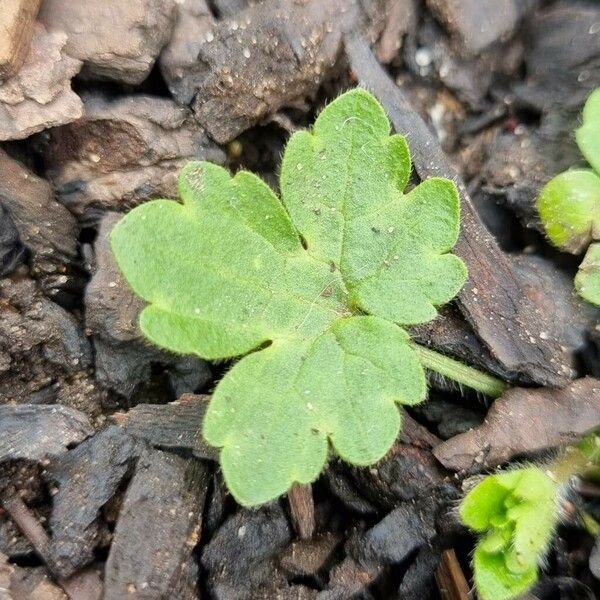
{"x":524,"y":421}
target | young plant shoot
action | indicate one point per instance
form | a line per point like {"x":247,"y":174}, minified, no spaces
{"x":515,"y":514}
{"x":569,"y":205}
{"x":313,"y":291}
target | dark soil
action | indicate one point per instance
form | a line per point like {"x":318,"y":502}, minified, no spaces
{"x":107,"y":489}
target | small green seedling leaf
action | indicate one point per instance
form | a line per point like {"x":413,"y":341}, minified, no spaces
{"x":588,"y":135}
{"x":311,"y":290}
{"x":569,"y":207}
{"x":587,"y":280}
{"x":515,"y":514}
{"x":495,"y":581}
{"x":569,"y":204}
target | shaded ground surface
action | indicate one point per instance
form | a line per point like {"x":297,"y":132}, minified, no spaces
{"x":107,"y":489}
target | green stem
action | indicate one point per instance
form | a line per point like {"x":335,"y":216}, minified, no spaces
{"x":582,"y":459}
{"x":463,"y":374}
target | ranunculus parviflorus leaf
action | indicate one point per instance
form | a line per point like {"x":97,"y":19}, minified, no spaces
{"x":311,"y":290}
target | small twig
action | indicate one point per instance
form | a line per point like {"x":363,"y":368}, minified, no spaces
{"x":450,"y":579}
{"x":302,"y":510}
{"x":84,"y":586}
{"x":29,"y":526}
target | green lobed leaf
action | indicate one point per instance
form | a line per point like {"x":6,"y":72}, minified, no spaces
{"x":343,"y":186}
{"x":494,"y":581}
{"x":515,"y":513}
{"x":535,"y":516}
{"x":486,"y":500}
{"x":569,"y":207}
{"x":234,"y":271}
{"x":588,"y":135}
{"x":587,"y":280}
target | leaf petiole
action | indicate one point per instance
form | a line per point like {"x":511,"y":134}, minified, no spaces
{"x":459,"y":372}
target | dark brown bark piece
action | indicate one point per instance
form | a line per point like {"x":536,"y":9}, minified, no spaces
{"x":306,"y":558}
{"x":271,"y":55}
{"x":240,"y":558}
{"x":573,"y":317}
{"x":158,"y":528}
{"x":562,"y":59}
{"x":39,"y":95}
{"x":452,"y":335}
{"x":349,"y":579}
{"x":523,"y":421}
{"x":400,"y":17}
{"x":408,"y":473}
{"x":418,"y":582}
{"x":115,"y":40}
{"x":123,"y":151}
{"x":396,"y":536}
{"x":390,"y":542}
{"x":173,"y":426}
{"x":46,"y":227}
{"x":493,"y":300}
{"x":13,"y":544}
{"x":194,"y":20}
{"x":28,"y":583}
{"x":37,"y":432}
{"x":87,"y":478}
{"x":12,"y":250}
{"x":43,"y":350}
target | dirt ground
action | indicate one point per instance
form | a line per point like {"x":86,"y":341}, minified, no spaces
{"x":107,"y":489}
